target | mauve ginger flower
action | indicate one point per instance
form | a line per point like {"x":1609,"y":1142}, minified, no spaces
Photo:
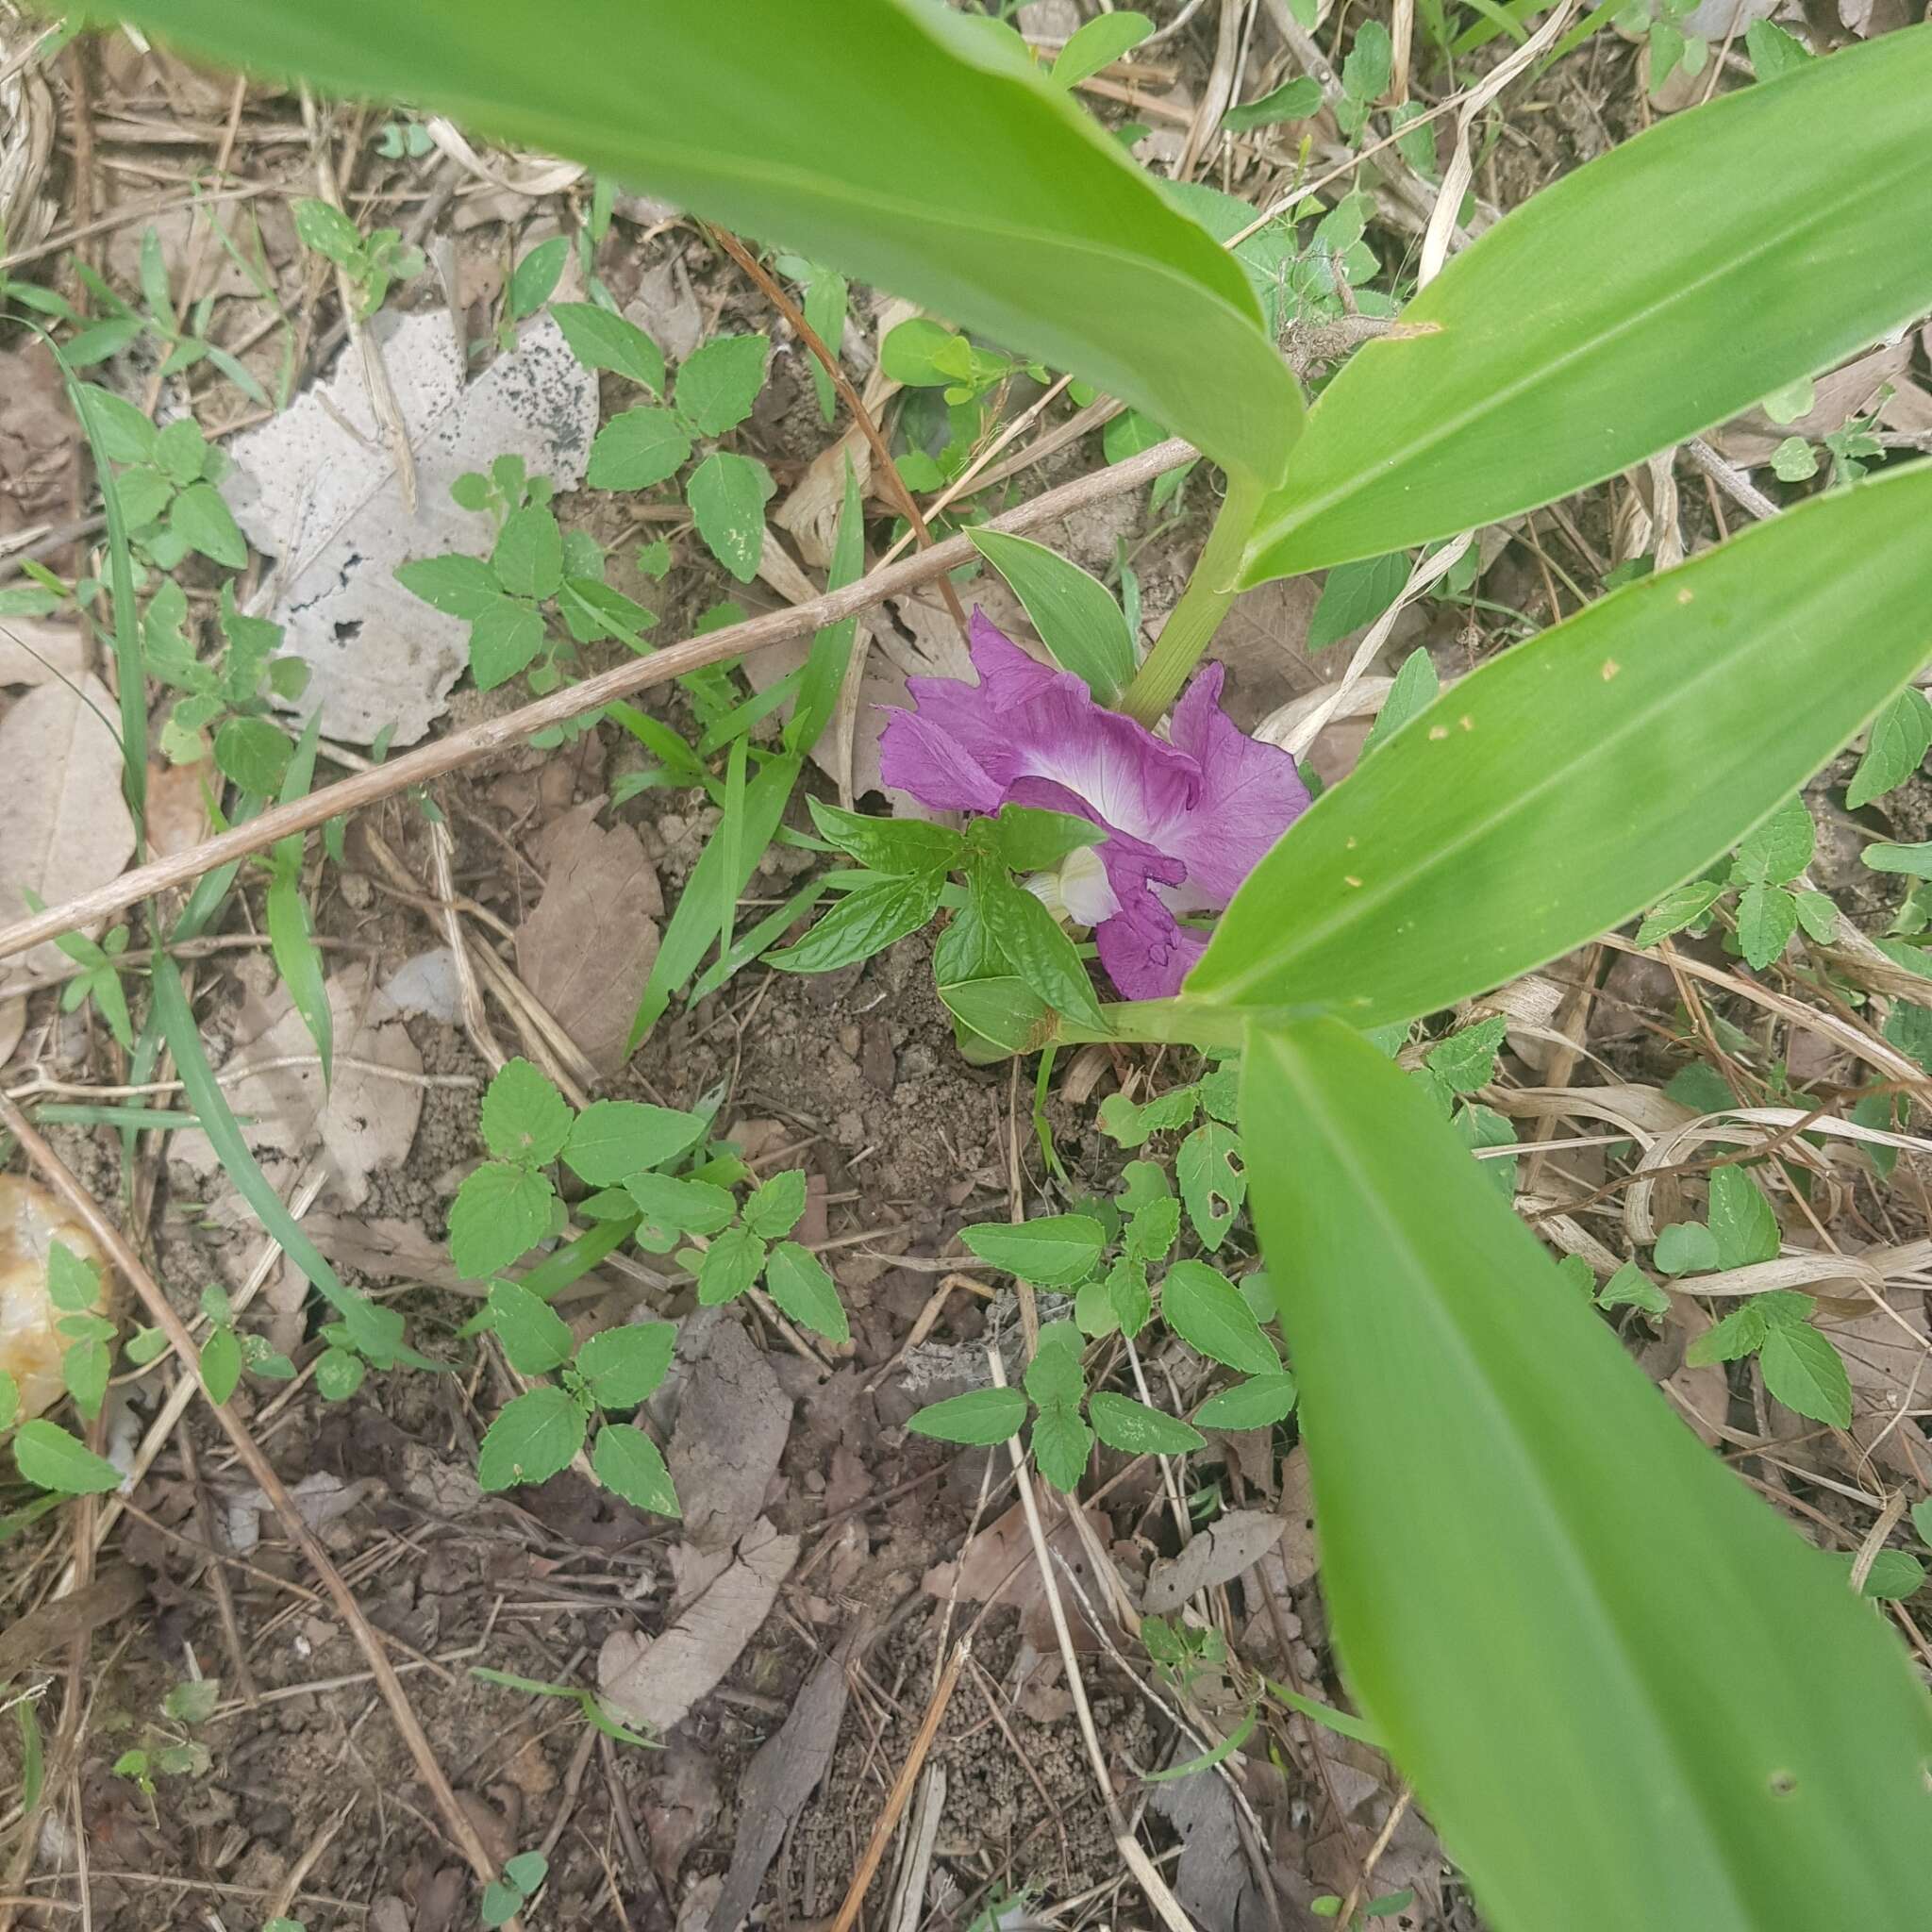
{"x":1187,"y":818}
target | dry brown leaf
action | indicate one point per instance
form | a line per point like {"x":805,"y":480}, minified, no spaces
{"x":782,"y":1776}
{"x":1263,"y":642}
{"x":1213,"y":1882}
{"x":64,"y":827}
{"x":732,"y":1422}
{"x":1885,"y":1356}
{"x":178,"y":797}
{"x":13,"y":1025}
{"x":587,"y":949}
{"x":998,"y":1566}
{"x":39,"y":650}
{"x":37,"y":438}
{"x":364,"y":1122}
{"x":681,"y":1804}
{"x":1235,"y":1542}
{"x":655,"y":1683}
{"x":31,"y":1221}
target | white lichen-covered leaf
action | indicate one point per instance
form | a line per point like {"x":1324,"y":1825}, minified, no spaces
{"x":318,"y":490}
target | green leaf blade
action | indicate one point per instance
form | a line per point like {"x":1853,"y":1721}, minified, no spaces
{"x":532,"y":1439}
{"x":969,"y":183}
{"x":1465,"y":1419}
{"x":1581,"y":334}
{"x":1542,"y":800}
{"x":979,"y":1417}
{"x":1078,"y":622}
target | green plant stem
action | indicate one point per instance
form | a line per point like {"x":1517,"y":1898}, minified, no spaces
{"x":1173,"y":1022}
{"x":1192,"y":623}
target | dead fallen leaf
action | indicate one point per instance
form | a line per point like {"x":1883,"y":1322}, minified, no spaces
{"x":1887,"y":1357}
{"x":31,"y":1346}
{"x":178,"y":797}
{"x":732,"y":1422}
{"x":666,"y":309}
{"x":655,"y":1683}
{"x":317,"y":490}
{"x":587,"y":948}
{"x":998,"y":1566}
{"x":782,"y":1776}
{"x":1296,"y":1549}
{"x":37,"y":650}
{"x":13,"y":1025}
{"x":364,"y":1122}
{"x":64,"y":827}
{"x":37,"y":437}
{"x":1213,"y":1882}
{"x":1219,"y":1555}
{"x":681,"y":1804}
{"x":46,"y":1632}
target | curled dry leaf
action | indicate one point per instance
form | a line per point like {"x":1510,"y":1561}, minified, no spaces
{"x":318,"y":490}
{"x":64,"y":827}
{"x":655,"y":1683}
{"x":586,"y":950}
{"x":31,"y":1220}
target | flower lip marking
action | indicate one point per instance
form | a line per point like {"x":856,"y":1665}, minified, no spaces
{"x":1187,"y":817}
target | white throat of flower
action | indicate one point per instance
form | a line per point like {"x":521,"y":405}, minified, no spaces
{"x":1077,"y":890}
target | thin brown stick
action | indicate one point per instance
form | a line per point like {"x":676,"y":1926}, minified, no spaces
{"x":884,"y":468}
{"x":901,"y":1785}
{"x":462,"y":748}
{"x":160,"y":1312}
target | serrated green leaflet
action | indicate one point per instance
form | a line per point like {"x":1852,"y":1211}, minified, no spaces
{"x":908,"y":147}
{"x":627,"y":1462}
{"x":535,"y":1436}
{"x":799,"y":1282}
{"x":1467,"y":1420}
{"x":980,"y":1416}
{"x":50,"y":1459}
{"x":615,"y":1137}
{"x":1052,"y":1251}
{"x":1551,"y":352}
{"x":1541,"y":801}
{"x":1206,"y":1310}
{"x":1123,"y":1424}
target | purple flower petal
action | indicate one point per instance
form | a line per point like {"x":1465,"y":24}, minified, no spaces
{"x":1025,"y":719}
{"x":1186,"y":819}
{"x":1252,"y":793}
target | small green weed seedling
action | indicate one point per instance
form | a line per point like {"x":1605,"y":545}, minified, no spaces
{"x":166,"y":481}
{"x":119,"y":326}
{"x":165,"y":1749}
{"x":369,"y":262}
{"x":621,"y":1149}
{"x":716,"y":389}
{"x":523,"y":1878}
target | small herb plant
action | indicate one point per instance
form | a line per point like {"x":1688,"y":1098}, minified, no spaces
{"x":1770,"y":909}
{"x":166,"y":483}
{"x":119,"y":326}
{"x":523,"y":1878}
{"x":542,"y":1431}
{"x":716,"y":387}
{"x":224,"y":707}
{"x":370,"y":263}
{"x":623,"y":1151}
{"x":165,"y":1749}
